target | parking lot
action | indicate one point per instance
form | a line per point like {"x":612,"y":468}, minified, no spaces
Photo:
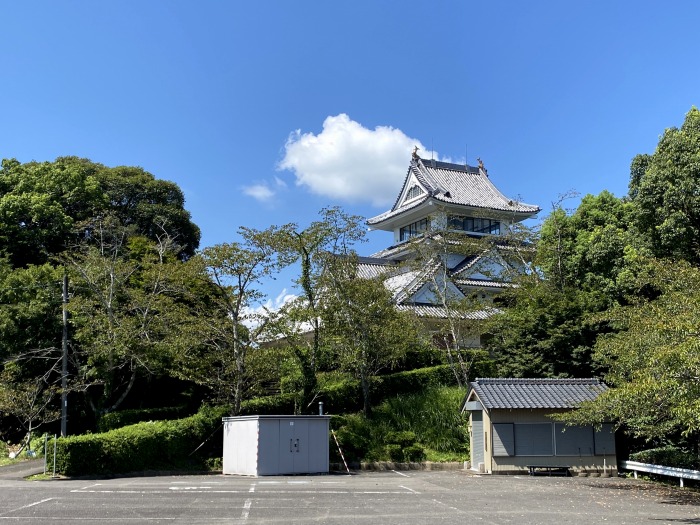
{"x":413,"y":497}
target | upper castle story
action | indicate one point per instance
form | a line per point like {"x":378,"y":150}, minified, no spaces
{"x":458,"y":197}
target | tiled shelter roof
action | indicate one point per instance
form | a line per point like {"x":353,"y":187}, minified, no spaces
{"x":536,"y":393}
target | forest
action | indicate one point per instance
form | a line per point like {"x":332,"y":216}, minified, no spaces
{"x":110,"y":257}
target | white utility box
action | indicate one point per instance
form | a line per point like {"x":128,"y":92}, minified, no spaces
{"x":273,"y":445}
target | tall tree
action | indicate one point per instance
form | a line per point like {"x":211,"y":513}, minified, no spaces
{"x":579,"y":269}
{"x":39,"y":206}
{"x":363,"y":326}
{"x":232,"y":323}
{"x":665,"y":188}
{"x":299,"y":321}
{"x":30,"y":349}
{"x":456,"y":328}
{"x":126,"y":310}
{"x":44,"y":207}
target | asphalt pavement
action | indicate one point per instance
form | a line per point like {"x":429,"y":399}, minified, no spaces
{"x":391,"y":497}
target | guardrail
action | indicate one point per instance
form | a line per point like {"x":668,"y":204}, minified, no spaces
{"x":682,"y":473}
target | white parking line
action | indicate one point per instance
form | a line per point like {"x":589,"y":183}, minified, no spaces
{"x":401,"y":474}
{"x":410,"y":489}
{"x":30,"y":505}
{"x":246,"y":509}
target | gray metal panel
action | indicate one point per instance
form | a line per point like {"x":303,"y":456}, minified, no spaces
{"x":573,"y":440}
{"x":240,"y":447}
{"x":533,"y":439}
{"x":268,"y":446}
{"x":604,"y":440}
{"x":300,"y":447}
{"x":477,"y":445}
{"x":503,"y":439}
{"x":318,"y":445}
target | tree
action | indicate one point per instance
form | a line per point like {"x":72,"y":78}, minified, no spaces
{"x":548,"y":327}
{"x":230,"y":323}
{"x":434,"y":273}
{"x":45,"y":207}
{"x":39,"y":206}
{"x":30,"y":353}
{"x":363,"y":326}
{"x":299,"y":321}
{"x":653,"y":356}
{"x":30,"y":306}
{"x":30,"y":400}
{"x":665,"y":187}
{"x":126,"y":310}
{"x":149,"y":205}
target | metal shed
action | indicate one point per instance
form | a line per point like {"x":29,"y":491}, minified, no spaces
{"x":274,"y":445}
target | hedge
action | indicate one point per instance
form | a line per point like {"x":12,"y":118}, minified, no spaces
{"x":668,"y":456}
{"x":159,"y":445}
{"x":347,"y":396}
{"x":123,"y":418}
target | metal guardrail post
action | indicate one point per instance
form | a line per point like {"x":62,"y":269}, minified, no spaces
{"x":55,"y":441}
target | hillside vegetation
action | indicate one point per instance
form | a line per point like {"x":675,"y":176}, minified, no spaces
{"x":609,"y":289}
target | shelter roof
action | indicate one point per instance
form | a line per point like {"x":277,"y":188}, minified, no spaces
{"x":535,"y":393}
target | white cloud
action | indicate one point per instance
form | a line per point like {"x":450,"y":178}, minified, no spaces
{"x":260,"y":192}
{"x":349,"y":162}
{"x":255,"y":314}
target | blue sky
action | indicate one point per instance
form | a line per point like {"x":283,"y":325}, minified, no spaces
{"x":264,"y":112}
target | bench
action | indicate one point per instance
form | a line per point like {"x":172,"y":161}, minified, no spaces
{"x":549,"y":470}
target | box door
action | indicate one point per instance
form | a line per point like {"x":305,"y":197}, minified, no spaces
{"x":301,"y":446}
{"x":477,"y":444}
{"x":286,"y":446}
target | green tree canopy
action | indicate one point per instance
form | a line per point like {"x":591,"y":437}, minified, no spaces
{"x":45,"y":207}
{"x":665,"y":188}
{"x":580,"y":268}
{"x":653,"y":356}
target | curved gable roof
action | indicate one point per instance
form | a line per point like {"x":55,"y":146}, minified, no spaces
{"x":454,"y":184}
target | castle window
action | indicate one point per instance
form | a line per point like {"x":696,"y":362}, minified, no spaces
{"x":475,"y":225}
{"x":413,"y":230}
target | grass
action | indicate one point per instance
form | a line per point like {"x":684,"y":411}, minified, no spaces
{"x":432,"y":416}
{"x":37,"y":446}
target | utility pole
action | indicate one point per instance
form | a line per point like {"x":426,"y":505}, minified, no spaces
{"x":64,"y":364}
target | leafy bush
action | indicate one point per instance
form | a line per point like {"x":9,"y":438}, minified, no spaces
{"x":352,"y":436}
{"x":402,"y":447}
{"x":346,"y":396}
{"x":433,"y":416}
{"x":668,"y":456}
{"x":270,"y":405}
{"x":414,"y":453}
{"x":404,"y":438}
{"x":123,"y":418}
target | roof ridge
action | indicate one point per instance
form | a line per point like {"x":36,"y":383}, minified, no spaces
{"x":559,"y":380}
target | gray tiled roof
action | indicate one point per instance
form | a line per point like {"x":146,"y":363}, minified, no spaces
{"x":455,"y":184}
{"x":438,"y":312}
{"x":536,"y":393}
